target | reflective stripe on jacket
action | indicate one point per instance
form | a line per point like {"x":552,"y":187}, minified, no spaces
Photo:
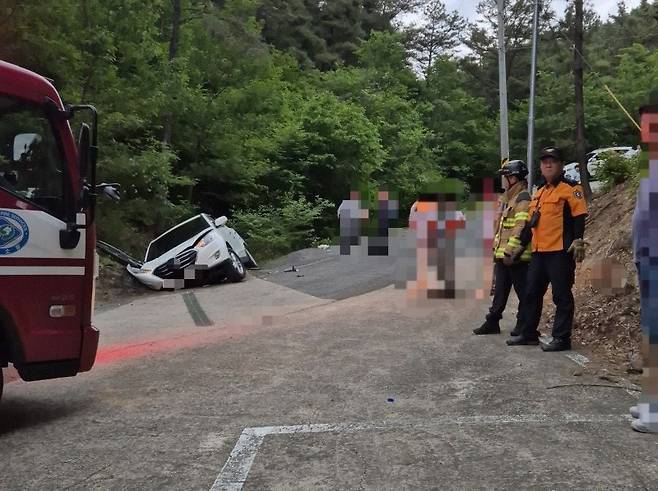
{"x":512,"y":217}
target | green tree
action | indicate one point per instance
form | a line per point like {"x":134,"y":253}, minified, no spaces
{"x":463,"y":138}
{"x":289,"y":26}
{"x":339,"y":24}
{"x":439,"y":34}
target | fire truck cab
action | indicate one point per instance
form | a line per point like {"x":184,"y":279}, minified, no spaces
{"x":47,"y":235}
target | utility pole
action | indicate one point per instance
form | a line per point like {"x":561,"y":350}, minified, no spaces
{"x":580,"y":103}
{"x":531,"y":105}
{"x":502,"y":83}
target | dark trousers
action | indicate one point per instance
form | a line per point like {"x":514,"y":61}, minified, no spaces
{"x":558,"y":269}
{"x":506,"y":277}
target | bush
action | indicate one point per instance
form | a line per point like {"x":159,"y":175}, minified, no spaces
{"x":273,"y":231}
{"x":146,"y":208}
{"x":616,"y":169}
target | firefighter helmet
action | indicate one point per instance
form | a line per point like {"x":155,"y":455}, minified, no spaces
{"x":514,"y":168}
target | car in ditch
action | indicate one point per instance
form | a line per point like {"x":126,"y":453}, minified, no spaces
{"x":197,"y":251}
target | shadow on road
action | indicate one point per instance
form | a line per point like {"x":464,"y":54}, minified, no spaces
{"x":18,"y":413}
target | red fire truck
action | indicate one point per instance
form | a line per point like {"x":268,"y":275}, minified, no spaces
{"x":47,"y":235}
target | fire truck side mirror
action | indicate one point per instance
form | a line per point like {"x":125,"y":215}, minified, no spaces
{"x":110,"y":190}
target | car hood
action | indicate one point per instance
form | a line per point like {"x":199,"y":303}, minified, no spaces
{"x":171,"y":253}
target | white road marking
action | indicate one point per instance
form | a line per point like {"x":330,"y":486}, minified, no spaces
{"x":578,"y":358}
{"x":234,"y":473}
{"x":236,"y":469}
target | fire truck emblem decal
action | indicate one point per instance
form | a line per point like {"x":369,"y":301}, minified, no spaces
{"x":14,"y":233}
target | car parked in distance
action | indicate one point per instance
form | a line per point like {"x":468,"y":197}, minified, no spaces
{"x":594,"y":162}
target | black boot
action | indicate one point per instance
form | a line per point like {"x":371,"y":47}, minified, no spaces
{"x":557,"y":344}
{"x":487,"y":328}
{"x":523,"y":341}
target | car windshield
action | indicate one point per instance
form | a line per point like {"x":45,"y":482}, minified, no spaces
{"x":176,"y":236}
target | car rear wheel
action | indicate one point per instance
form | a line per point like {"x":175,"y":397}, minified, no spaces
{"x":235,"y":271}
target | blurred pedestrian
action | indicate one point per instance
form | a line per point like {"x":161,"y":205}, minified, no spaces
{"x":645,"y":251}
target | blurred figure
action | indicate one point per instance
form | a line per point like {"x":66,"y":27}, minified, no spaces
{"x":645,"y":249}
{"x":351,"y":214}
{"x":608,"y":276}
{"x":449,"y":245}
{"x":387,"y":211}
{"x":510,"y":258}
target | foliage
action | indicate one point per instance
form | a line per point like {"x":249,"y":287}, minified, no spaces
{"x":616,"y":169}
{"x":439,"y":34}
{"x":273,"y":230}
{"x":272,"y":110}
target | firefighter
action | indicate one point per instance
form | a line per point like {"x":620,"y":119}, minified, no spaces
{"x":510,"y":258}
{"x":556,"y":227}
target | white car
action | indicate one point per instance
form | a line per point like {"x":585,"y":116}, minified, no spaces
{"x":198,"y":249}
{"x":593,"y":157}
{"x":572,"y":170}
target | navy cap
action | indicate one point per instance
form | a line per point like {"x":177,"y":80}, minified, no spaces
{"x":554,"y":152}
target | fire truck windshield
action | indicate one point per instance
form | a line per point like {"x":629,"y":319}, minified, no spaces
{"x":31,"y":162}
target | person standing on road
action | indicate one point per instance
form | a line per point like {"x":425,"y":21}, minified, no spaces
{"x":556,"y":227}
{"x":645,"y":252}
{"x":351,"y":214}
{"x":510,"y":257}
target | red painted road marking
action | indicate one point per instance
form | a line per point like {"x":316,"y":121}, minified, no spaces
{"x":140,"y":349}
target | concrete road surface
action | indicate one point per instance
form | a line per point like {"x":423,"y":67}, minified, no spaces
{"x":292,"y":390}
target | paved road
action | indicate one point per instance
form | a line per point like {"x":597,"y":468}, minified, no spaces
{"x":288,"y":390}
{"x":327,"y":274}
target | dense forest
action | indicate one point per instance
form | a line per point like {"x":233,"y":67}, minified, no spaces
{"x":270,"y":111}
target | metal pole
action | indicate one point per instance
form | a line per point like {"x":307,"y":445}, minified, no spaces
{"x":531,"y":109}
{"x":502,"y":83}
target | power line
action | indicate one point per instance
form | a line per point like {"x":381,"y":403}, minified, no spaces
{"x":598,"y":77}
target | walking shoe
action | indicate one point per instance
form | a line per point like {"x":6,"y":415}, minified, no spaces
{"x":635,"y":412}
{"x":522,"y":341}
{"x":638,"y":425}
{"x":557,"y":344}
{"x":516,"y":331}
{"x":487,"y":328}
